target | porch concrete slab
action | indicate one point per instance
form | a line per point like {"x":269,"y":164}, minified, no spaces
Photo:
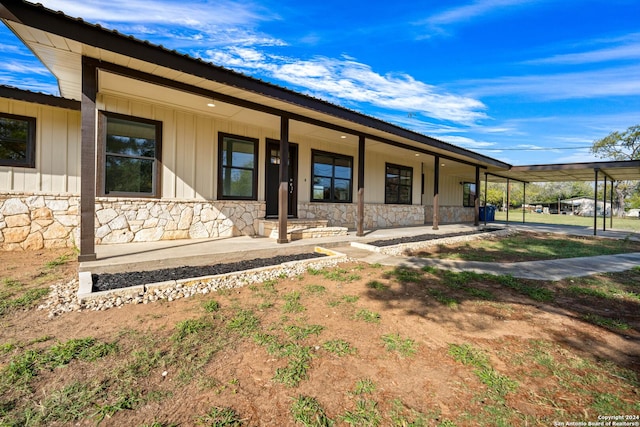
{"x":142,"y":256}
{"x":177,"y":253}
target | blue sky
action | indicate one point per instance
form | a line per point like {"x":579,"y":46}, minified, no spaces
{"x":523,"y":81}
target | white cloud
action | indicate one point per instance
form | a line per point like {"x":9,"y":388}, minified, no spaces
{"x":620,"y":81}
{"x":192,"y":14}
{"x":177,"y":24}
{"x":352,"y":82}
{"x":24,"y":67}
{"x":464,"y":14}
{"x":627,"y":48}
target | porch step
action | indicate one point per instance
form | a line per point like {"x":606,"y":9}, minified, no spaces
{"x":300,"y":229}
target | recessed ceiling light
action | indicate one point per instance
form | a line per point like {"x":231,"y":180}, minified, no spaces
{"x":343,"y":137}
{"x":211,"y":104}
{"x":441,"y":164}
{"x":417,"y":154}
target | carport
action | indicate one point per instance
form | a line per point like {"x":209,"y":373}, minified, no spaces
{"x":609,"y":172}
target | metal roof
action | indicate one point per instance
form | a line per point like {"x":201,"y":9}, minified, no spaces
{"x":613,"y":170}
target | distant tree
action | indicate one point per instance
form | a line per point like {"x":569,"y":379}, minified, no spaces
{"x":495,"y":194}
{"x":620,"y":146}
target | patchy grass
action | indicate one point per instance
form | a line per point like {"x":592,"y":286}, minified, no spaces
{"x":327,"y":348}
{"x":527,"y":246}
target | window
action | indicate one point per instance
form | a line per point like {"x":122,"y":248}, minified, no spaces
{"x":132,"y":148}
{"x":468,"y":195}
{"x":332,"y":177}
{"x":17,"y":141}
{"x":237,"y":167}
{"x":398,"y":184}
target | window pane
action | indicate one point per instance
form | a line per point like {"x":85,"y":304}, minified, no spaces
{"x":341,"y":190}
{"x":14,"y":137}
{"x":131,"y":153}
{"x":240,"y":153}
{"x":405,"y":195}
{"x":130,"y":138}
{"x":322,"y":165}
{"x":391,"y":195}
{"x":13,"y":150}
{"x":237,"y":168}
{"x":343,"y":168}
{"x":13,"y":129}
{"x":321,"y":188}
{"x":405,"y":180}
{"x":237,"y":182}
{"x":128,"y":175}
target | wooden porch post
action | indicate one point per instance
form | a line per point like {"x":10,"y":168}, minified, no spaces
{"x":476,"y":200}
{"x":486,"y":183}
{"x":283,"y":189}
{"x":360,"y":216}
{"x":88,"y":161}
{"x":436,"y":191}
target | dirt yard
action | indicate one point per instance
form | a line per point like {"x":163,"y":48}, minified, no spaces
{"x":354,"y":345}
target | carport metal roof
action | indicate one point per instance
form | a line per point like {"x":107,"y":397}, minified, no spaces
{"x":561,"y":172}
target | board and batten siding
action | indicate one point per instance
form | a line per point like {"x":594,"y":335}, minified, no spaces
{"x":57,"y":155}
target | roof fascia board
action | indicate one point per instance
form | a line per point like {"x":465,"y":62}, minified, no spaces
{"x":573,"y":166}
{"x":38,"y":98}
{"x":506,"y":177}
{"x":37,"y":16}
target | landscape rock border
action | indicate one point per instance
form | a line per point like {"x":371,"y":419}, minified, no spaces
{"x":404,"y":249}
{"x":76,"y":295}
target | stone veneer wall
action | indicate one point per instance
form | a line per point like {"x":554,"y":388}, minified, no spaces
{"x":450,"y":214}
{"x":375,"y":215}
{"x":37,"y":221}
{"x":122,"y":220}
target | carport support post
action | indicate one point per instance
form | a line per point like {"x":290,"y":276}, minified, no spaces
{"x":611,"y":204}
{"x":604,"y":203}
{"x":283,"y":189}
{"x":88,"y":161}
{"x":436,"y":190}
{"x":360,"y":216}
{"x":508,"y":198}
{"x":524,"y":201}
{"x":595,"y":203}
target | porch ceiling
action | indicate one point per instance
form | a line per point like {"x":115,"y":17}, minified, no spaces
{"x":61,"y":42}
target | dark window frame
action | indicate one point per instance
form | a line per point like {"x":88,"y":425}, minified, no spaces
{"x":156,"y":193}
{"x":332,"y":193}
{"x":468,"y":196}
{"x":221,"y":167}
{"x":399,"y":185}
{"x":30,"y":151}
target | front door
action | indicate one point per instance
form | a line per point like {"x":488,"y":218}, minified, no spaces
{"x":273,"y":179}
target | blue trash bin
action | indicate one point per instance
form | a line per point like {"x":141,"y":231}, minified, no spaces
{"x":482,"y":213}
{"x":491,"y":213}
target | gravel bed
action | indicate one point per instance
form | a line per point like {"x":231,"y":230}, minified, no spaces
{"x":426,"y":237}
{"x":105,"y":282}
{"x":63,"y":297}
